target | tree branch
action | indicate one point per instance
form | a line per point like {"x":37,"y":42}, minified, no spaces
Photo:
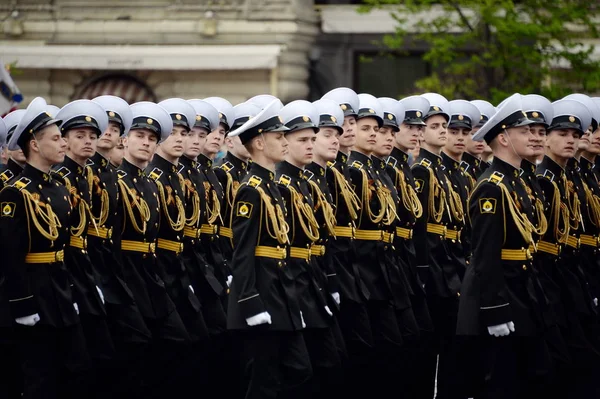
{"x":462,"y":16}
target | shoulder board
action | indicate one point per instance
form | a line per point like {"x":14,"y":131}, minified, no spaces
{"x":6,"y":175}
{"x":227,"y":166}
{"x":496,"y":177}
{"x":357,"y":164}
{"x":548,"y":174}
{"x":63,"y":171}
{"x":21,"y":183}
{"x":425,"y":162}
{"x":285,"y":180}
{"x":155,"y":174}
{"x":464,"y":165}
{"x":308,"y":174}
{"x":330,"y":163}
{"x":392,"y":161}
{"x":254,"y":181}
{"x":121,"y":173}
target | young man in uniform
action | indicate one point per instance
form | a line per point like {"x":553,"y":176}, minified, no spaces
{"x":34,"y":219}
{"x":263,"y":303}
{"x":472,"y":164}
{"x":16,"y":159}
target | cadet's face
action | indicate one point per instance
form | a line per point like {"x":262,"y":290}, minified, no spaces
{"x":408,"y":137}
{"x":301,"y":144}
{"x":110,"y":138}
{"x":327,"y":143}
{"x":584,"y":140}
{"x":594,"y":147}
{"x":81,"y":143}
{"x":173,"y":145}
{"x":140,"y":145}
{"x":522,"y":141}
{"x":435,"y":131}
{"x":52,"y":146}
{"x":539,"y":139}
{"x":4,"y":156}
{"x":194,"y":142}
{"x":366,"y":136}
{"x":562,"y":143}
{"x":116,"y":154}
{"x":17,"y":156}
{"x":237,"y":148}
{"x":214,"y":141}
{"x":275,"y":146}
{"x":385,"y":142}
{"x":456,"y":144}
{"x":474,"y":147}
{"x":348,"y":139}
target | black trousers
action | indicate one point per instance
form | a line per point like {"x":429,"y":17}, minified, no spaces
{"x":54,"y":361}
{"x":276,"y":364}
{"x":325,"y":361}
{"x":11,"y":378}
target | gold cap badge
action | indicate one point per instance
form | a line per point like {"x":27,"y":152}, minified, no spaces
{"x":111,"y":114}
{"x":571,"y":119}
{"x":150,"y":121}
{"x":178,"y":117}
{"x":88,"y":119}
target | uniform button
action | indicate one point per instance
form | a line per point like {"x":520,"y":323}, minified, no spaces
{"x":280,"y":264}
{"x":525,"y":267}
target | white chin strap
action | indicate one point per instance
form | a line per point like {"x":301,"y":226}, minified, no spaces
{"x":511,"y":145}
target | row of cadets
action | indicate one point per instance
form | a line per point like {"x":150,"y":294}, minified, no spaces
{"x":140,"y":209}
{"x":435,"y":237}
{"x":409,"y":209}
{"x":306,"y":243}
{"x":263,"y":307}
{"x":16,"y":158}
{"x":560,"y":246}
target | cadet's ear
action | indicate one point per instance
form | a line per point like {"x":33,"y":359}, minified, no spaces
{"x":124,"y":141}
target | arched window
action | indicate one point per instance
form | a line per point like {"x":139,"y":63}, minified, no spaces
{"x":127,"y":87}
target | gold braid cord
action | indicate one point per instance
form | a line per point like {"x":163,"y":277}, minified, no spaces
{"x":561,"y":213}
{"x":326,"y":208}
{"x":277,"y":227}
{"x":130,"y":200}
{"x":230,"y":190}
{"x":523,"y":224}
{"x":573,"y":203}
{"x":455,"y":203}
{"x":176,"y":225}
{"x":366,"y":197}
{"x":472,"y":181}
{"x":593,"y":202}
{"x":387,"y":202}
{"x":193,"y":198}
{"x":214,"y":211}
{"x":410,"y":200}
{"x":39,"y":216}
{"x":435,"y":191}
{"x":305,"y":214}
{"x":541,"y":217}
{"x":94,"y":182}
{"x":350,"y":198}
{"x":82,"y":208}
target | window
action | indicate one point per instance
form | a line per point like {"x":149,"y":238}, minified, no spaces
{"x":388,"y":74}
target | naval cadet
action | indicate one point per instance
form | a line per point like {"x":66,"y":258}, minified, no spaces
{"x":16,"y":158}
{"x":472,"y":163}
{"x":496,"y":304}
{"x":263,"y":305}
{"x":35,"y":220}
{"x":83,"y":121}
{"x":127,"y":327}
{"x":141,"y":214}
{"x":307,"y":243}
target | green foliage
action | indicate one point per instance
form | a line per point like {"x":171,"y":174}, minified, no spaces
{"x":490,"y":49}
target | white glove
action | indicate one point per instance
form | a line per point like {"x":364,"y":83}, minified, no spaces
{"x":76,"y":307}
{"x":229,"y":280}
{"x":596,"y":301}
{"x":101,"y":294}
{"x":261,"y":318}
{"x":336,"y":297}
{"x":192,"y":289}
{"x":328,"y":310}
{"x":502,"y":330}
{"x":29,"y":321}
{"x":302,"y":318}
